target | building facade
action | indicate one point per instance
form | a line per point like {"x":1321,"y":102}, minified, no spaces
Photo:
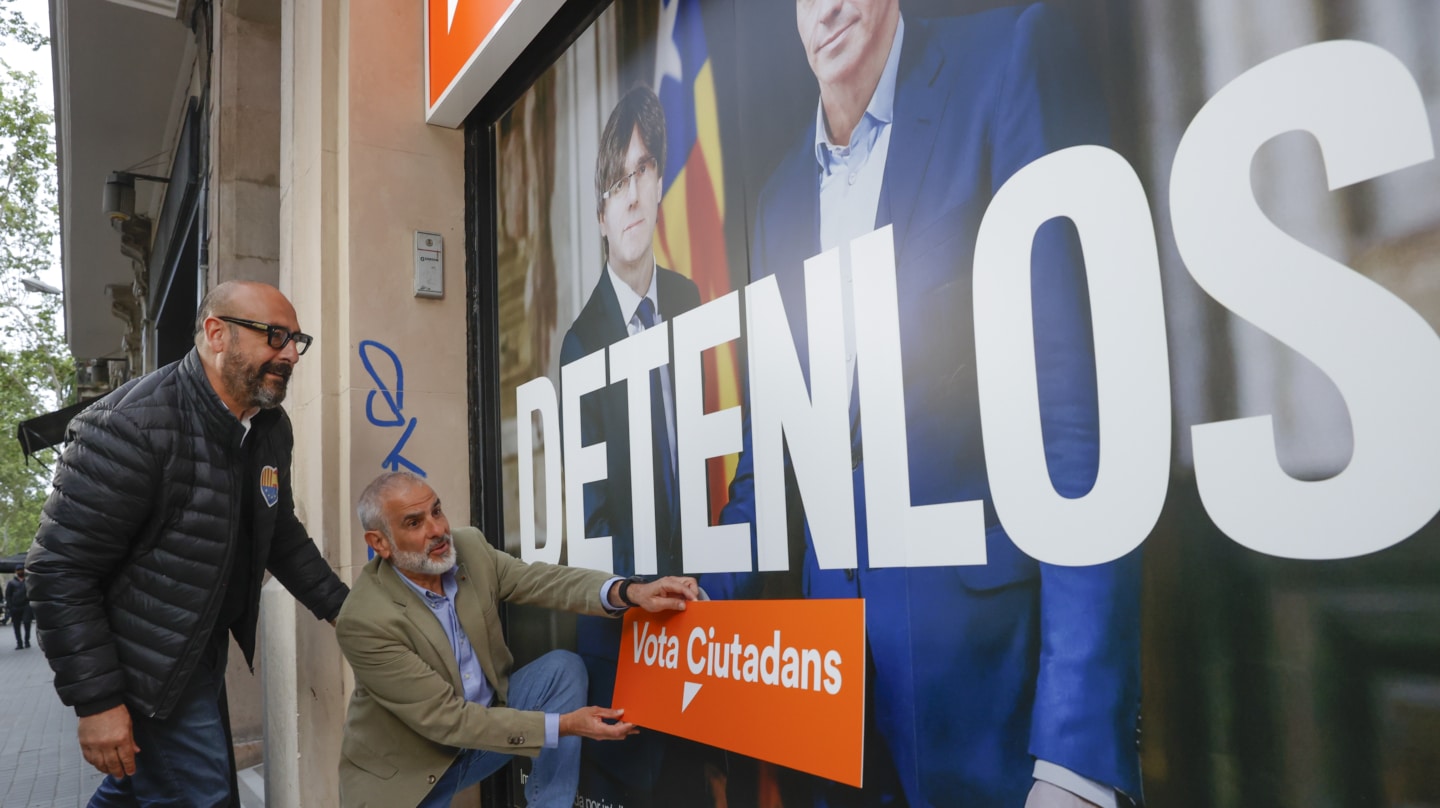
{"x":319,"y":146}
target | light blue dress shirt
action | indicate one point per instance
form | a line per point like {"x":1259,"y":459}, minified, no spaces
{"x":477,"y":687}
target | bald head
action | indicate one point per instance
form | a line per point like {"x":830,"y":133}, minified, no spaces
{"x":245,"y":299}
{"x":234,"y":330}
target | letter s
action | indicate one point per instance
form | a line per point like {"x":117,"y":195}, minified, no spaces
{"x":833,"y":680}
{"x":1365,"y":110}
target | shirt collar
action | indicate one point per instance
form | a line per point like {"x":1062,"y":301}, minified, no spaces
{"x":878,"y":114}
{"x":447,"y":582}
{"x":626,"y":297}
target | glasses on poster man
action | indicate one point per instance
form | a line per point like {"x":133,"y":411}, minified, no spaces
{"x":623,"y":184}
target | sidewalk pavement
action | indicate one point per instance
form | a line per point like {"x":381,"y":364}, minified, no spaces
{"x":40,"y":762}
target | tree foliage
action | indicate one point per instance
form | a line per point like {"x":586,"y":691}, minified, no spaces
{"x":15,"y":28}
{"x":36,"y":371}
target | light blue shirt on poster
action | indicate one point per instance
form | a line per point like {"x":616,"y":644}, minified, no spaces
{"x":851,"y":181}
{"x":851,"y":185}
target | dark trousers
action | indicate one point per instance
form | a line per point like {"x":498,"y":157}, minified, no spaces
{"x":23,"y":617}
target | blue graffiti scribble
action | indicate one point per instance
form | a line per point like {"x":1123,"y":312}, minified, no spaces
{"x":394,"y":460}
{"x":394,"y":402}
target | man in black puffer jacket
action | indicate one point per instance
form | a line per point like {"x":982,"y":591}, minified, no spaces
{"x":170,"y":503}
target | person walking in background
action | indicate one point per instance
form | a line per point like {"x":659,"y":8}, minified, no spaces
{"x":17,"y":605}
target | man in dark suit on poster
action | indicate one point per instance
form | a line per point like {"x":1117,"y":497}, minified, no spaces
{"x":1015,"y":682}
{"x":632,"y":295}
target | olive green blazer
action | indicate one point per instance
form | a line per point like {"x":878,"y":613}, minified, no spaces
{"x":408,"y":717}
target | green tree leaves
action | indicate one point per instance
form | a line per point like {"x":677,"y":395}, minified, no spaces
{"x":37,"y":373}
{"x":15,"y":28}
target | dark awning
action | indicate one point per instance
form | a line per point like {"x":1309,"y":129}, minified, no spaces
{"x":12,"y":563}
{"x":44,"y":431}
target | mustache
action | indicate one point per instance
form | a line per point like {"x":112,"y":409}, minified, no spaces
{"x":281,"y":369}
{"x":434,"y":544}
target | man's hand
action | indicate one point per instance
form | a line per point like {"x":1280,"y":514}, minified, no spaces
{"x":669,"y":593}
{"x":589,"y":722}
{"x":107,"y":742}
{"x":1047,"y":795}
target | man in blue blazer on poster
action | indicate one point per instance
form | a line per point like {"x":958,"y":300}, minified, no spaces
{"x":1016,"y":682}
{"x":633,"y":294}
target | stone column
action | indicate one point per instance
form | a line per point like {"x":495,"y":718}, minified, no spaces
{"x":244,"y":228}
{"x":360,"y":173}
{"x":304,"y":677}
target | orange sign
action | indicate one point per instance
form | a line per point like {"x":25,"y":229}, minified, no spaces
{"x":778,"y":680}
{"x":469,"y":44}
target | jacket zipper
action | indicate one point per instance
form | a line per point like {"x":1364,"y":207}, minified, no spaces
{"x":191,"y":654}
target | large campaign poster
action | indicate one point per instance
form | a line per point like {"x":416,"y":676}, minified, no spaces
{"x":1091,"y":343}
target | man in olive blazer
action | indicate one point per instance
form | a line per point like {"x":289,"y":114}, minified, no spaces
{"x":421,"y":631}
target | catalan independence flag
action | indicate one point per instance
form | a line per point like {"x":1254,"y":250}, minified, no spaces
{"x":690,"y":237}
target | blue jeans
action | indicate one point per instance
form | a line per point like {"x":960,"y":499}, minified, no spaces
{"x":554,"y":683}
{"x":184,"y":760}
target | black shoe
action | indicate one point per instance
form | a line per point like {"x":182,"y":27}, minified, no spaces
{"x":19,"y":647}
{"x":27,"y":643}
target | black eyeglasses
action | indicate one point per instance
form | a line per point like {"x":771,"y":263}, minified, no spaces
{"x":278,"y":336}
{"x":622,"y":185}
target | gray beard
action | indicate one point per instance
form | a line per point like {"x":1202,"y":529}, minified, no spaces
{"x":254,"y":389}
{"x":266,"y":397}
{"x":419,"y":562}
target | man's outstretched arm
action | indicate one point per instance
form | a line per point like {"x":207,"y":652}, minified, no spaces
{"x":670,"y":593}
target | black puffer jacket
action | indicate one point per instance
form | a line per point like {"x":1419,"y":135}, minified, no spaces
{"x":136,"y":542}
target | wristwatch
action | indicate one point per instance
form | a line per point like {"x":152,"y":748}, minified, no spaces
{"x":625,"y":589}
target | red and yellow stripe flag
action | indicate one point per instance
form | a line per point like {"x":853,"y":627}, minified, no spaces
{"x":690,"y":237}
